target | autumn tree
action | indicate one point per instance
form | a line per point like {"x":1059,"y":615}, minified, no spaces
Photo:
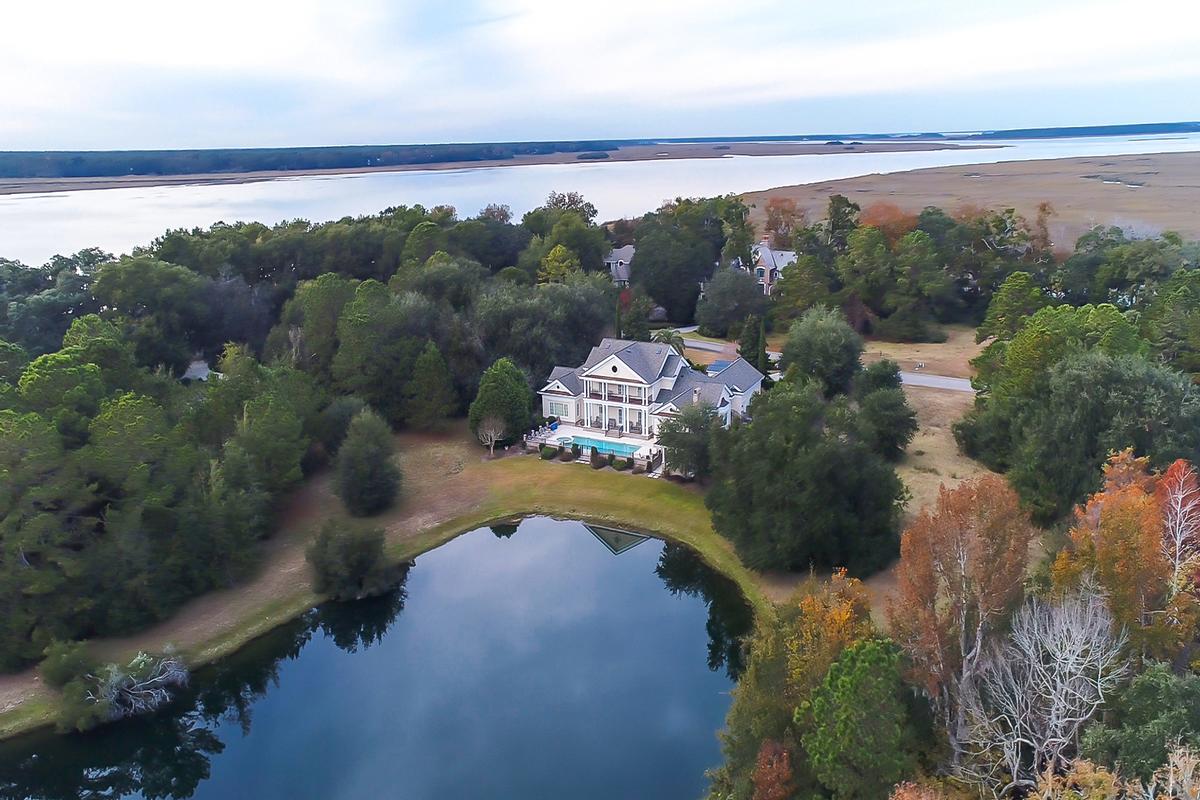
{"x":1123,"y":539}
{"x":890,"y":219}
{"x":783,"y":218}
{"x":961,"y":570}
{"x":773,"y":772}
{"x":1178,"y":495}
{"x":790,"y":655}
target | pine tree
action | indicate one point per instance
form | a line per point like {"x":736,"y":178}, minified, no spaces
{"x":749,"y":343}
{"x":366,"y":479}
{"x":429,"y":397}
{"x":503,"y":399}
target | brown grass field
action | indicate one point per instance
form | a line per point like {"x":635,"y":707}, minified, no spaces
{"x":1146,"y":194}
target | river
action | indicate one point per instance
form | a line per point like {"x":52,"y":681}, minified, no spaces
{"x":551,"y":660}
{"x":35,"y":226}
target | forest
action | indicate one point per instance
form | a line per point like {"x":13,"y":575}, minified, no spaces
{"x":126,"y":488}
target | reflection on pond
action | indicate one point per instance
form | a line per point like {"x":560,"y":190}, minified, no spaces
{"x":535,"y":664}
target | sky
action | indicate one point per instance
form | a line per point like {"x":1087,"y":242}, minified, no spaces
{"x":129,"y":74}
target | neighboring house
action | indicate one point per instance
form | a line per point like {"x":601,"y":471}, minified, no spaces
{"x":618,"y":262}
{"x":624,"y":390}
{"x":767,"y":265}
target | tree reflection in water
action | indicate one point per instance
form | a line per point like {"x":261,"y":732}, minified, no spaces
{"x":729,"y":615}
{"x":167,"y":755}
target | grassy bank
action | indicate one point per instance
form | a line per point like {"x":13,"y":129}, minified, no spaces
{"x":449,"y":490}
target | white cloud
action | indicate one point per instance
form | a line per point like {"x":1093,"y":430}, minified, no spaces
{"x":310,"y":71}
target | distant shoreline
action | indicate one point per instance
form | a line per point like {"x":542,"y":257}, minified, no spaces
{"x":640,"y":152}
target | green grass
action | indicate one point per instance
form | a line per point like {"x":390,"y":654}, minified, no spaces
{"x":515,"y":487}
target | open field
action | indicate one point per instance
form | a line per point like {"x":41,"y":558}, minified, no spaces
{"x":1146,"y":194}
{"x":641,"y":152}
{"x":951,"y":357}
{"x":448,"y":489}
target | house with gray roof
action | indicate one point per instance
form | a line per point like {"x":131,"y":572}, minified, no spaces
{"x":617,"y":262}
{"x":767,"y":264}
{"x":624,"y":390}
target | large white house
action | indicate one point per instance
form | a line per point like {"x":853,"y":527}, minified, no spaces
{"x":616,"y":399}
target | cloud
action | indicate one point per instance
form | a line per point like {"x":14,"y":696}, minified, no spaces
{"x":224,"y":73}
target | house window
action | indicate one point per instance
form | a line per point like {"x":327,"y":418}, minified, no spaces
{"x":558,"y":409}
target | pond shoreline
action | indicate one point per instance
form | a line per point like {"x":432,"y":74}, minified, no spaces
{"x":38,"y":708}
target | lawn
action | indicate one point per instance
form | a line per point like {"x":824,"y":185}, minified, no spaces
{"x":449,"y":488}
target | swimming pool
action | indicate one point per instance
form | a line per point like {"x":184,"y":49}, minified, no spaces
{"x":616,"y":448}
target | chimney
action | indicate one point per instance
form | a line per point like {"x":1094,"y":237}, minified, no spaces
{"x":695,"y":395}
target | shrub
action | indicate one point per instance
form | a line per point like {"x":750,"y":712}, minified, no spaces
{"x":621,"y":464}
{"x":597,"y":459}
{"x":610,"y":458}
{"x":66,"y":661}
{"x":548,"y":452}
{"x":575,"y":451}
{"x":366,"y":479}
{"x":347,"y":561}
{"x":638,"y":469}
{"x":566,"y":454}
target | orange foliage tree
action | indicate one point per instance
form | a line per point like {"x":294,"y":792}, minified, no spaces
{"x":960,"y":576}
{"x":773,"y":772}
{"x":783,"y":218}
{"x":890,"y":219}
{"x":1139,"y":539}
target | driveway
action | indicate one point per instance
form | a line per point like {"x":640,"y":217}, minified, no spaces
{"x":908,"y":378}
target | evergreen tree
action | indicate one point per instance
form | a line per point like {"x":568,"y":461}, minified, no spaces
{"x":366,"y":479}
{"x":429,"y":396}
{"x":857,"y":743}
{"x":822,"y":345}
{"x":503,"y":395}
{"x":753,"y":344}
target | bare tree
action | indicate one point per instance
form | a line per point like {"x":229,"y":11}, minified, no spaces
{"x":491,"y":431}
{"x":1179,"y":498}
{"x":139,"y":688}
{"x":1037,"y":688}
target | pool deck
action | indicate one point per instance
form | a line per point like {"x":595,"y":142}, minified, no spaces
{"x":643,"y":444}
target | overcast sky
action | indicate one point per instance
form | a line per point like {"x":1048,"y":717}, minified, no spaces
{"x":226,"y":73}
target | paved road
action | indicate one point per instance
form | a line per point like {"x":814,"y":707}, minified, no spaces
{"x":909,"y":378}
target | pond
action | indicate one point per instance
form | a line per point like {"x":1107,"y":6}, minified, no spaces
{"x":551,"y":659}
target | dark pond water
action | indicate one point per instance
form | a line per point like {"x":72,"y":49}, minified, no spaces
{"x":546,"y":661}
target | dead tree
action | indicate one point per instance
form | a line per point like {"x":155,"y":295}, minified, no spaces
{"x":491,"y":431}
{"x":1037,"y":688}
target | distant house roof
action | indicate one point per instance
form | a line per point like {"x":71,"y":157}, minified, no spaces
{"x":197,"y":371}
{"x":739,"y":375}
{"x":618,"y":262}
{"x":764,"y":256}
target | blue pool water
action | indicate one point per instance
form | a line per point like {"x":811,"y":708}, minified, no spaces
{"x":623,"y":450}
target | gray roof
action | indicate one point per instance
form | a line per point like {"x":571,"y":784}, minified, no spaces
{"x":650,"y":360}
{"x":618,"y":262}
{"x":621,"y":254}
{"x":739,"y":376}
{"x":773,"y":259}
{"x":568,"y":377}
{"x":690,"y":386}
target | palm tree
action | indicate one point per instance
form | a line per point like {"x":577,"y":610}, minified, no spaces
{"x":671,"y":337}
